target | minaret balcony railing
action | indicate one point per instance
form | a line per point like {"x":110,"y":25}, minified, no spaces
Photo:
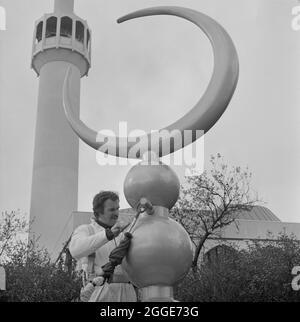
{"x":62,"y":31}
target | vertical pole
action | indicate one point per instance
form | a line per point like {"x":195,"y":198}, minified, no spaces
{"x":64,"y":6}
{"x":44,"y":33}
{"x":58,"y":31}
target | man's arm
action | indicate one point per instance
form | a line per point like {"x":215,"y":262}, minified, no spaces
{"x":83,"y":244}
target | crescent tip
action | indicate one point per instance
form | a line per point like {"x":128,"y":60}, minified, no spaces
{"x":125,"y":18}
{"x":139,"y":14}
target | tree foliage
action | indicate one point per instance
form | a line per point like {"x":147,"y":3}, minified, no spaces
{"x":259,"y":273}
{"x":13,"y":227}
{"x":31,"y":275}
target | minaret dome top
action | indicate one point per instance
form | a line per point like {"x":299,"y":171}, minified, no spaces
{"x":64,"y":6}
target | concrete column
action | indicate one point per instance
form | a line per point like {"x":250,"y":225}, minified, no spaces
{"x":55,"y":168}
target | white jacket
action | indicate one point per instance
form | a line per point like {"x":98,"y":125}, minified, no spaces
{"x":83,"y":244}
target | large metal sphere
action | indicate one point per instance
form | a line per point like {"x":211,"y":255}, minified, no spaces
{"x":156,"y":182}
{"x":160,"y":253}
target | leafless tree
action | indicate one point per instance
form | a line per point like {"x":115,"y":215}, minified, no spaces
{"x":210,"y":201}
{"x":13,"y":226}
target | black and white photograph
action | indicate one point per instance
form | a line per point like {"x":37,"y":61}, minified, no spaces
{"x":149,"y":154}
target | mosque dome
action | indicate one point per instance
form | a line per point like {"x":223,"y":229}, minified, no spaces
{"x":257,"y":213}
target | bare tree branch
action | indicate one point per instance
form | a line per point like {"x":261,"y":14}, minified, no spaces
{"x":211,"y":201}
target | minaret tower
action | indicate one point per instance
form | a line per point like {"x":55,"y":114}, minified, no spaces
{"x":61,"y":40}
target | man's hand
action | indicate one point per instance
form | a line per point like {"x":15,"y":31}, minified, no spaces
{"x":118,"y":228}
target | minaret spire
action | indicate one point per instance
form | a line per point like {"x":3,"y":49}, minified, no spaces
{"x":64,"y":6}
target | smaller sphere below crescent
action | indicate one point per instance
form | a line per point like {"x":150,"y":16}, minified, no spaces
{"x":156,"y":182}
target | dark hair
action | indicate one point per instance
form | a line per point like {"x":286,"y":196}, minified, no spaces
{"x":100,"y":198}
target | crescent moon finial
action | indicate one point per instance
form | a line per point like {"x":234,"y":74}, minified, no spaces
{"x":202,"y":116}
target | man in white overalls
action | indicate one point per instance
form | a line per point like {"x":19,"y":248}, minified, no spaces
{"x":100,"y":237}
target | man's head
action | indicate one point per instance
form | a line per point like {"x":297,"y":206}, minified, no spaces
{"x":106,"y":207}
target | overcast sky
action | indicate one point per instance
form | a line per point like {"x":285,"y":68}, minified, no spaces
{"x":149,"y":72}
